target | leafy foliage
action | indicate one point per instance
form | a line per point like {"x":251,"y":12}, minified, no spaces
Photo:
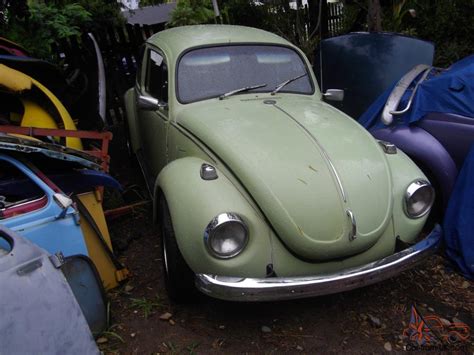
{"x":447,"y":23}
{"x":44,"y":25}
{"x":104,"y":13}
{"x":192,"y":12}
{"x":36,"y":25}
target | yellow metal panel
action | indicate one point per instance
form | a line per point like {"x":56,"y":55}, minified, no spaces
{"x":99,"y":256}
{"x":71,"y":142}
{"x":36,"y":116}
{"x":14,"y":80}
{"x":17,"y":82}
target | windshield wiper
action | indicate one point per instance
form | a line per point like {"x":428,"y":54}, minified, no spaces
{"x":286,"y":82}
{"x":247,"y":88}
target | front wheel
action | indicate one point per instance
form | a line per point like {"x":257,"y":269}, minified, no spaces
{"x":179,"y":278}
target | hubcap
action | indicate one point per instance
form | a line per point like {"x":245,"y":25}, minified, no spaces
{"x":165,"y":253}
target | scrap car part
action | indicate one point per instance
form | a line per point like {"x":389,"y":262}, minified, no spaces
{"x":40,"y":314}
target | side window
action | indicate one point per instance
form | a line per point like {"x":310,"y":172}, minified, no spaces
{"x":156,"y":83}
{"x":140,"y":60}
{"x":18,"y":194}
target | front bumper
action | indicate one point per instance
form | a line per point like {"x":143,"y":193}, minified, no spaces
{"x":284,"y":288}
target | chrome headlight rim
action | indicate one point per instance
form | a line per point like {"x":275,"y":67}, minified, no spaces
{"x":217,"y":222}
{"x":412,"y":188}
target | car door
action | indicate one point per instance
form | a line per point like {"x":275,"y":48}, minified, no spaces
{"x":153,"y":123}
{"x":30,"y":207}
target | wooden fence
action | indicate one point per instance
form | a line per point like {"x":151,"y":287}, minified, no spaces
{"x":334,"y":19}
{"x":120,"y":49}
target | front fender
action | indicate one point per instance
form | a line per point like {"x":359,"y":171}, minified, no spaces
{"x":194,"y":202}
{"x":132,"y":118}
{"x":425,"y":149}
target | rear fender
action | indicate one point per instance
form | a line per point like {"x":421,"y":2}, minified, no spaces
{"x":194,"y":202}
{"x":425,"y":149}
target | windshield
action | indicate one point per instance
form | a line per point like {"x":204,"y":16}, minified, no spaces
{"x":211,"y":72}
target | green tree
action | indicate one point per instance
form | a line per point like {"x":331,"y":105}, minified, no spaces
{"x":192,"y":12}
{"x":43,"y":24}
{"x":36,"y":24}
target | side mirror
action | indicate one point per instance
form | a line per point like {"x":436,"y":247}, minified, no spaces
{"x":149,"y":103}
{"x":63,"y":201}
{"x":334,"y":95}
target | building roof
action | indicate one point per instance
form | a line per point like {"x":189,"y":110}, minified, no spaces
{"x":150,"y":15}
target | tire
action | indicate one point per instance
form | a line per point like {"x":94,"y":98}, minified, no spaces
{"x":179,"y":278}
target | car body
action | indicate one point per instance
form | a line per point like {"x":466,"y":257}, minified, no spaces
{"x":428,"y":114}
{"x":47,"y":195}
{"x":28,"y":103}
{"x":49,"y":303}
{"x":265,"y":195}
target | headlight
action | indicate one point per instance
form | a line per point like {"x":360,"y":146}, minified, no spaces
{"x":226,"y":235}
{"x":419,"y":198}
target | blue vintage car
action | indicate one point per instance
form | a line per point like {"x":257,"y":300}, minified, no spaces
{"x":430,"y":116}
{"x":51,"y":206}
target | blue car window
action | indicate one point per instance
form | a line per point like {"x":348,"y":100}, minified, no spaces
{"x":16,"y":188}
{"x":210,"y":72}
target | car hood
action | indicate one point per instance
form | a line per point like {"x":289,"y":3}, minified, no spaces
{"x":29,"y":145}
{"x":308,"y":167}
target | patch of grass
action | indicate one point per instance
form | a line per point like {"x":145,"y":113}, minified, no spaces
{"x":191,"y":348}
{"x":171,"y":346}
{"x":112,"y":334}
{"x":147,"y":306}
{"x":114,"y":338}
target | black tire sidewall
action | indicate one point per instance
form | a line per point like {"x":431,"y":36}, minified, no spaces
{"x":179,"y":278}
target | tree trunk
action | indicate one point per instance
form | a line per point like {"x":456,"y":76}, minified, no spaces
{"x":374,"y":17}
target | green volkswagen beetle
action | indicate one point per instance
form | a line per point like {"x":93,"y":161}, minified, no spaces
{"x":262,"y":190}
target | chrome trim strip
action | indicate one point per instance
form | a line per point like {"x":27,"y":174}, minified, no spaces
{"x":284,"y":288}
{"x":323,"y":151}
{"x":102,"y":91}
{"x":353,"y":232}
{"x":388,"y":148}
{"x":410,"y":100}
{"x":398,"y":91}
{"x":21,"y":202}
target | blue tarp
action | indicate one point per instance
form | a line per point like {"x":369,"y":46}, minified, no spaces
{"x":459,"y":220}
{"x":449,"y":91}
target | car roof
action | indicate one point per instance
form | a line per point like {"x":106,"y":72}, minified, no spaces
{"x":181,"y":38}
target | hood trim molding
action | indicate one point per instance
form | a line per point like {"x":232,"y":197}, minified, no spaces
{"x":332,"y":168}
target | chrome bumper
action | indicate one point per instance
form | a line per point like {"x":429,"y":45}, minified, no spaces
{"x":283,"y":288}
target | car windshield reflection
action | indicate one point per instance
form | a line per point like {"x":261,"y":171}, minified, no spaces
{"x":210,"y":72}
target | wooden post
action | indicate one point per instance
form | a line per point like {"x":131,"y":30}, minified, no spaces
{"x":324,"y":19}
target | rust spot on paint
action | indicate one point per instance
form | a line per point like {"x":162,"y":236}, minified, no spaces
{"x":304,"y":182}
{"x":315,"y":170}
{"x":300,"y":230}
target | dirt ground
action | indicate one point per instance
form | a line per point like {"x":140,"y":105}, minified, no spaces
{"x":367,"y":320}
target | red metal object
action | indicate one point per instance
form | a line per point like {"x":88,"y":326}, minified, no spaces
{"x":104,"y":137}
{"x":24,"y":207}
